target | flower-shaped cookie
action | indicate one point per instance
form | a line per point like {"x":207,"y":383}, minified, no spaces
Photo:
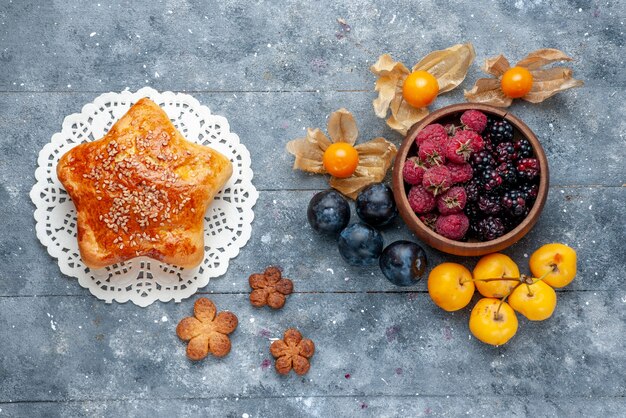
{"x":449,"y":66}
{"x":206,"y":331}
{"x":546,"y":82}
{"x":292,"y":352}
{"x":269,"y":288}
{"x":374,"y":157}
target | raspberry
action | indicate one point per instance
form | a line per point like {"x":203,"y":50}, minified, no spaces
{"x":431,"y":152}
{"x":413,"y":171}
{"x":508,"y":172}
{"x":490,"y":228}
{"x":481,"y":160}
{"x":489,"y":205}
{"x":490,"y":180}
{"x":500,"y":131}
{"x":472,"y":190}
{"x":429,"y":219}
{"x":452,"y":201}
{"x":478,"y":143}
{"x":505,"y":151}
{"x":450,"y":129}
{"x":437,"y":179}
{"x":456,"y":151}
{"x":459,"y":148}
{"x":514,"y":203}
{"x":434,"y":131}
{"x":474,"y":120}
{"x":523,"y":148}
{"x":460,"y":172}
{"x":528,"y":168}
{"x":420,"y":200}
{"x":452,"y":226}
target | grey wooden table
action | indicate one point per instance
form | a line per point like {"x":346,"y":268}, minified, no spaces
{"x":273,"y":68}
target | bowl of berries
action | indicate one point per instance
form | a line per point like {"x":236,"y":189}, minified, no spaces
{"x":470,"y":179}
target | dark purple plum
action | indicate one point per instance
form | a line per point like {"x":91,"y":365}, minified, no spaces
{"x":328,"y":212}
{"x":375,"y":205}
{"x":360,"y":244}
{"x":403,"y":263}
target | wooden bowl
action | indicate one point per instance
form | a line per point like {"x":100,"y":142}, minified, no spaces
{"x":470,"y":248}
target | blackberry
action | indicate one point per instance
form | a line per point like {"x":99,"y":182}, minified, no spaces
{"x":529,"y":191}
{"x":514,"y":203}
{"x":508,"y":172}
{"x":525,"y":214}
{"x":472,"y":190}
{"x":490,"y":180}
{"x":475,"y":216}
{"x":500,"y":131}
{"x":505,"y":151}
{"x":523,"y":148}
{"x":472,"y":231}
{"x":489,"y":204}
{"x":488,"y":143}
{"x":490,"y":228}
{"x":511,"y":222}
{"x":473,"y":213}
{"x":481,"y":160}
{"x":528,"y":168}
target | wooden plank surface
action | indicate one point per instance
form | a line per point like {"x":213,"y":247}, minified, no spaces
{"x":386,"y":343}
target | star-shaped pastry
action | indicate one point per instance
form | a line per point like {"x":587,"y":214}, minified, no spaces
{"x":142,"y":190}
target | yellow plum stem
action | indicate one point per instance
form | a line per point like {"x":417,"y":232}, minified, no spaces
{"x":497,"y":313}
{"x":493,"y":279}
{"x":530,"y":292}
{"x":541,"y":278}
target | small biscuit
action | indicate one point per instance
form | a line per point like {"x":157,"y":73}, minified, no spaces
{"x":269,"y":288}
{"x":207,"y":331}
{"x":292,"y":352}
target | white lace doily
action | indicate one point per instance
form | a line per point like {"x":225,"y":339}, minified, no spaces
{"x":143,"y":280}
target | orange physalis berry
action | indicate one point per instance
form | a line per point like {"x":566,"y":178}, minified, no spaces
{"x":516,"y":82}
{"x":420,"y":88}
{"x":340,"y":159}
